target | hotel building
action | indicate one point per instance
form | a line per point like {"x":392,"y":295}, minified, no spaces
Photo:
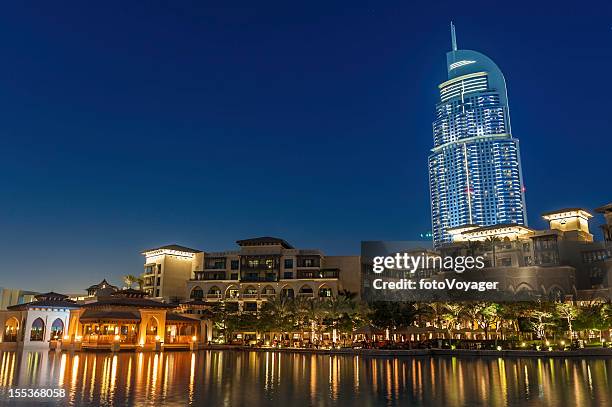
{"x":166,"y":270}
{"x":262,"y":268}
{"x":475,"y":172}
{"x":561,"y":261}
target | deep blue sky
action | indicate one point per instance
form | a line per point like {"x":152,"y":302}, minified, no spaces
{"x":127,"y":126}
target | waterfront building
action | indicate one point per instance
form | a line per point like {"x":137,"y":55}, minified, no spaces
{"x":37,"y":324}
{"x":475,"y":171}
{"x":126,"y":319}
{"x":166,"y":270}
{"x":265,"y":268}
{"x":563,"y":260}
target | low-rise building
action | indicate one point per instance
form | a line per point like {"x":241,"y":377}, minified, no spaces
{"x":127,"y":320}
{"x":36,"y":324}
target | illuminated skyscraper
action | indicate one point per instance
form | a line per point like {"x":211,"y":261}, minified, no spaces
{"x":475,"y":166}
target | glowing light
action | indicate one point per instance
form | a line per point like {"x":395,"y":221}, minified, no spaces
{"x":523,"y":344}
{"x":499,"y":347}
{"x":66,"y":337}
{"x":78,"y":338}
{"x":157,"y":338}
{"x":461,"y":63}
{"x":117,"y":338}
{"x":194,"y":338}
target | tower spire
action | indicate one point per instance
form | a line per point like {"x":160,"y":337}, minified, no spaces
{"x":453,"y":36}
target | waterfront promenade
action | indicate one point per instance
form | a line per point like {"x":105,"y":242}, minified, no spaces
{"x":579,"y":353}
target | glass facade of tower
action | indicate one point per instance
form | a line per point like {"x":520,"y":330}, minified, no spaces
{"x":475,"y":166}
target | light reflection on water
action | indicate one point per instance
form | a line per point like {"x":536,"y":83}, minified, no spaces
{"x":274,"y":378}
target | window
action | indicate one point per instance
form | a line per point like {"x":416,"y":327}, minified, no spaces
{"x":250,"y":306}
{"x":288,"y":263}
{"x":57,"y":329}
{"x":325,"y":292}
{"x":287,"y":293}
{"x":234,"y":276}
{"x":308,"y":263}
{"x":197,"y":293}
{"x":234,"y":264}
{"x":37,"y":334}
{"x":288,"y":275}
{"x":157,"y":292}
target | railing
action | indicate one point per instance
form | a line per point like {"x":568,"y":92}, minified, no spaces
{"x":268,"y":295}
{"x":210,"y":275}
{"x":10,"y":338}
{"x":108,"y":339}
{"x":214,"y":296}
{"x":305,"y":294}
{"x":306,"y":274}
{"x":271,"y":278}
{"x":250,"y":295}
{"x":177,"y":339}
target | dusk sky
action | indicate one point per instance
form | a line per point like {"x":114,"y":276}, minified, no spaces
{"x":130,"y":126}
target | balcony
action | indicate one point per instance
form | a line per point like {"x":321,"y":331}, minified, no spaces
{"x":256,"y":278}
{"x":249,"y":296}
{"x":210,"y":275}
{"x":216,"y":296}
{"x":315,"y":274}
{"x":306,"y":295}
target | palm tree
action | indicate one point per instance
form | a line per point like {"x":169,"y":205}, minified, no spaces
{"x":277,"y":315}
{"x":140,"y":281}
{"x":491,"y":243}
{"x":129,"y":280}
{"x":342,"y":309}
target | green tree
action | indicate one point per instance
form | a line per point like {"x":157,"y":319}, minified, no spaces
{"x":486,"y":315}
{"x":452,"y":316}
{"x":129,"y":280}
{"x":568,"y":311}
{"x":540,"y":321}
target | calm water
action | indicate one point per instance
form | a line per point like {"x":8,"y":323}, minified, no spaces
{"x":282,"y":379}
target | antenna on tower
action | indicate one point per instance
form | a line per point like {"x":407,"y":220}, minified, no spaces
{"x":453,"y":36}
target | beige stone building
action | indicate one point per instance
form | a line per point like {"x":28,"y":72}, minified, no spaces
{"x":261,"y":269}
{"x":126,"y":320}
{"x":555,"y":262}
{"x":166,"y":270}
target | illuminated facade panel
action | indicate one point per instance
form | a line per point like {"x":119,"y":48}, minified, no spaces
{"x":475,"y":166}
